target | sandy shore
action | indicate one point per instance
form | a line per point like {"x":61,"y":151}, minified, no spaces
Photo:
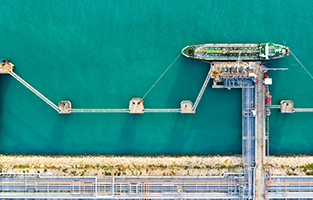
{"x":291,"y":161}
{"x":145,"y":165}
{"x":68,"y":161}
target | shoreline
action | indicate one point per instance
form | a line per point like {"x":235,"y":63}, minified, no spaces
{"x":103,"y":166}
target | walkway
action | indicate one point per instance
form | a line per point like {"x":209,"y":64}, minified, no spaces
{"x":303,"y":110}
{"x":162,"y":110}
{"x":34,"y":90}
{"x":260,"y":174}
{"x":207,"y":79}
{"x":294,"y":110}
{"x":99,"y":110}
{"x":123,"y":110}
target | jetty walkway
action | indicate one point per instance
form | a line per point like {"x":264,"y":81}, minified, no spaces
{"x":260,"y":157}
{"x":206,"y":81}
{"x":45,"y":99}
{"x":287,"y":106}
{"x":123,"y":110}
{"x":136,"y":105}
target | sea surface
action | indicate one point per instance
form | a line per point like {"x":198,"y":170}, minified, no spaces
{"x":102,"y":53}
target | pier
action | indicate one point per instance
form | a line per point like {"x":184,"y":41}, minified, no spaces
{"x":6,"y":66}
{"x":136,"y":105}
{"x":252,"y":78}
{"x":255,"y":181}
{"x":287,"y":106}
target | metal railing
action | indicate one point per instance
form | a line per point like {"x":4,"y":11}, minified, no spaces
{"x":162,"y":110}
{"x":34,"y":186}
{"x":303,"y":110}
{"x":99,"y":110}
{"x":248,"y":136}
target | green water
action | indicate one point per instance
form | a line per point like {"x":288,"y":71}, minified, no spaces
{"x":101,"y":53}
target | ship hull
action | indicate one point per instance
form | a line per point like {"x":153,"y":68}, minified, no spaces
{"x":233,"y":52}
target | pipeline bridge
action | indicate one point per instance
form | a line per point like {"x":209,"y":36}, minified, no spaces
{"x":226,"y":187}
{"x":255,"y":181}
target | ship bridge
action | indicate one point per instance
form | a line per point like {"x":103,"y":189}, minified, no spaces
{"x":273,"y":51}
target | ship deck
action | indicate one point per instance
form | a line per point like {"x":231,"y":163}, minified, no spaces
{"x":228,"y":52}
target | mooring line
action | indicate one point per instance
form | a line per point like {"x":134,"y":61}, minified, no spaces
{"x":301,"y":64}
{"x":161,"y":76}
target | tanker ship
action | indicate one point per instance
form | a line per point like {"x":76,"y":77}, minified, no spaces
{"x":232,"y":52}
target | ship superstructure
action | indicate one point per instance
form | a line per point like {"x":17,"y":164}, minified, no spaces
{"x":229,"y":52}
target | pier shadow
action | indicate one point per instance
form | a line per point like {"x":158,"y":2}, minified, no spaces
{"x":184,"y":87}
{"x":127,"y":135}
{"x":57,"y":134}
{"x":20,"y":138}
{"x":186,"y":82}
{"x":276,"y":140}
{"x":5,"y":81}
{"x":204,"y":132}
{"x":179,"y":137}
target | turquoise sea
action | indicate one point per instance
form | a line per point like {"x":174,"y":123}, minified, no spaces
{"x":101,"y":53}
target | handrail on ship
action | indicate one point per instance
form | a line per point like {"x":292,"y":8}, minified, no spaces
{"x":34,"y":90}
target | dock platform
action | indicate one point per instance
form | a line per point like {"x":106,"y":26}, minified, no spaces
{"x":287,"y":106}
{"x":136,"y":105}
{"x":6,"y":66}
{"x":65,"y":107}
{"x":186,"y":106}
